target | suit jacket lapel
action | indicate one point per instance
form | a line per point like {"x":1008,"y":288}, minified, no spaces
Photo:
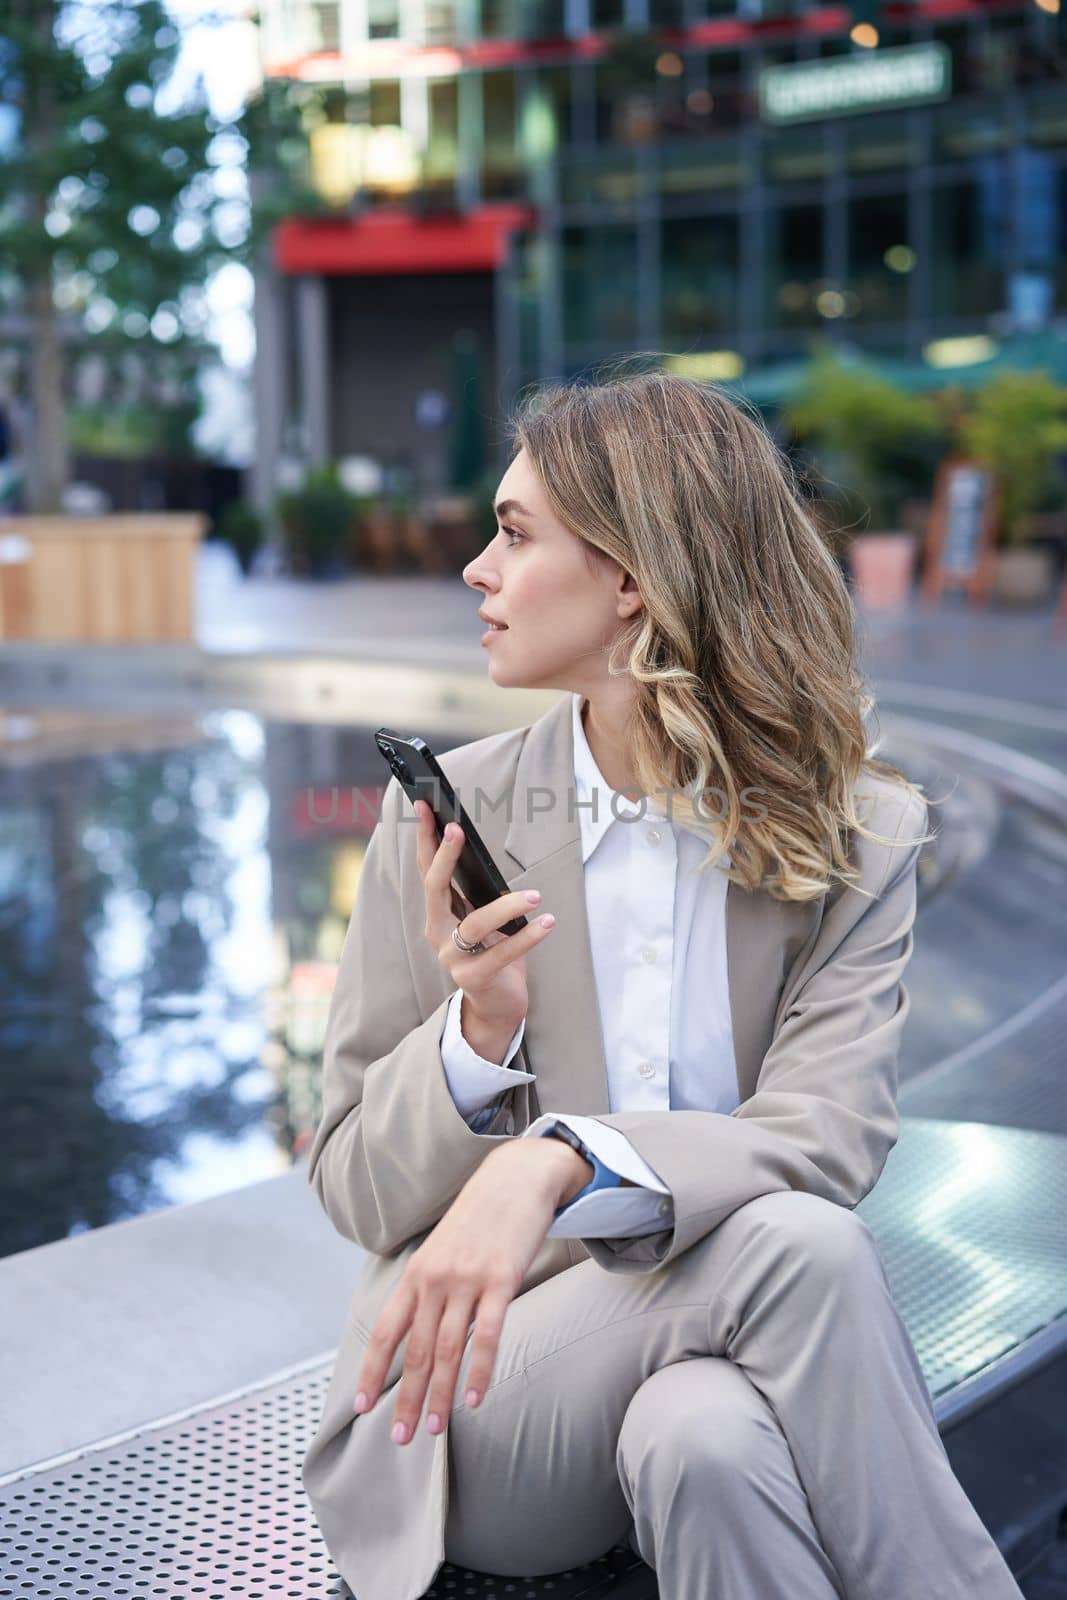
{"x":563,"y":1042}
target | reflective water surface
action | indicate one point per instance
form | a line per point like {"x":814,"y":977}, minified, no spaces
{"x":174,"y":893}
{"x":173,"y":898}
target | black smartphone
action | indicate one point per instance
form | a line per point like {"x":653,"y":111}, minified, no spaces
{"x":419,"y":774}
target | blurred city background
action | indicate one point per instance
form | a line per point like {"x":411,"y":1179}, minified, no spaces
{"x":271,"y":279}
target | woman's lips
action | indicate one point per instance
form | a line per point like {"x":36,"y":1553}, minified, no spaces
{"x":492,"y":633}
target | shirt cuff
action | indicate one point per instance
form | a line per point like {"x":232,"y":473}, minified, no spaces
{"x":474,"y":1082}
{"x":613,"y":1214}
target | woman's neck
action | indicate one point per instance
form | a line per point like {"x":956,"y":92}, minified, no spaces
{"x":605,"y":732}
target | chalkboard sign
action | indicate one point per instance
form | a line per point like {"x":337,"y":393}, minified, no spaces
{"x":961,"y":531}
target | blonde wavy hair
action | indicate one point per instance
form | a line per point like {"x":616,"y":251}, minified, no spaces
{"x":743,"y":653}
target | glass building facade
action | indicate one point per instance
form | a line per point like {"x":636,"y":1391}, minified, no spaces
{"x":665,"y":211}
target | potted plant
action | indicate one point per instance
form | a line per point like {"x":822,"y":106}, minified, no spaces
{"x":241,"y":527}
{"x":377,"y":534}
{"x":319,"y":521}
{"x":874,"y":447}
{"x":1017,"y":427}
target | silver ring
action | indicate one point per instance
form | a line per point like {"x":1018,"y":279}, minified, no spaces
{"x":461,"y":943}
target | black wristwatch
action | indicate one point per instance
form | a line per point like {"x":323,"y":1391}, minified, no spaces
{"x":603,"y":1177}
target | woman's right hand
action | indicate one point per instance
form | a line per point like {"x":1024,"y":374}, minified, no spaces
{"x":494,"y":980}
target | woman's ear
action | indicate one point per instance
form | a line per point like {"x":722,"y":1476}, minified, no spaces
{"x":629,"y":597}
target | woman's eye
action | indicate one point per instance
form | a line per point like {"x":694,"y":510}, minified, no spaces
{"x":512,"y":533}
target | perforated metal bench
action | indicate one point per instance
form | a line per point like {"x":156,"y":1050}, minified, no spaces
{"x":969,"y":1224}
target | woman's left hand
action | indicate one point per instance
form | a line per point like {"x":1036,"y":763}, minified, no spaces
{"x":470,"y":1266}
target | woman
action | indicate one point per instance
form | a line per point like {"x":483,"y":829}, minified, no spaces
{"x":618,"y":1289}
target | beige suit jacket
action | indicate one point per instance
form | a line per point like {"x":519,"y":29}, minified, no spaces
{"x":817,"y":1005}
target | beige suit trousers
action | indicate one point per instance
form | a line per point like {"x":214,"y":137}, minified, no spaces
{"x":752,"y":1416}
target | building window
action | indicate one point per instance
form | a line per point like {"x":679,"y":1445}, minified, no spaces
{"x":500,"y":164}
{"x":499,"y":19}
{"x":442,"y":145}
{"x":970,"y":235}
{"x":521,"y":19}
{"x":882,"y":144}
{"x":383,"y":19}
{"x":1046,"y":116}
{"x":965,"y":46}
{"x":384,"y":103}
{"x":329,"y":20}
{"x":439,"y":22}
{"x":599,"y":271}
{"x":606,"y":13}
{"x":700,"y":278}
{"x":880,"y":259}
{"x":970,"y":128}
{"x":795,"y":155}
{"x":700,"y":168}
{"x":793,"y":283}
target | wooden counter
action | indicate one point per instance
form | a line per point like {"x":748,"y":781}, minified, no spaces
{"x":118,"y":579}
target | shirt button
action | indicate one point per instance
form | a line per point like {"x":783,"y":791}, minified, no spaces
{"x":663,"y":1207}
{"x":653,"y":836}
{"x":509,"y":1123}
{"x":647,"y":1070}
{"x":649,"y":952}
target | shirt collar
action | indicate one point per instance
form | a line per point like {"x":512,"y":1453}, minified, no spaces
{"x":588,"y":779}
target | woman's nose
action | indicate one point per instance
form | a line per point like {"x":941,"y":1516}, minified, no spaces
{"x":473,"y":578}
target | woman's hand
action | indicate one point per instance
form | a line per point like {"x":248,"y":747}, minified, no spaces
{"x":469,"y":1267}
{"x":494,"y":980}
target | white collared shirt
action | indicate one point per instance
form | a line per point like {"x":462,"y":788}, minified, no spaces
{"x":658,"y":937}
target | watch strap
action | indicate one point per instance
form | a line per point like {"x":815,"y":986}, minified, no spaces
{"x":603,"y":1177}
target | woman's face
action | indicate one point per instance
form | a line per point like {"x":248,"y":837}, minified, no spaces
{"x":562,"y":615}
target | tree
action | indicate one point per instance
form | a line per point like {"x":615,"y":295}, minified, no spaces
{"x":874,"y":444}
{"x":109,"y":210}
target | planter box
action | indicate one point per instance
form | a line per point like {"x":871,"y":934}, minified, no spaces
{"x":882,"y":567}
{"x":1024,"y":577}
{"x":117,"y":579}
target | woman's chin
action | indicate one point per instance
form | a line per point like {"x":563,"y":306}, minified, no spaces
{"x":504,"y":675}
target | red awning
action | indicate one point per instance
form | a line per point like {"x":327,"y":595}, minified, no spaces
{"x":399,"y":241}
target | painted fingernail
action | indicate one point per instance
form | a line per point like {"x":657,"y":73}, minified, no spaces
{"x":434,"y":1423}
{"x":533,"y":897}
{"x":400,"y":1433}
{"x":472,"y":1397}
{"x":361,"y":1401}
{"x":549,"y":921}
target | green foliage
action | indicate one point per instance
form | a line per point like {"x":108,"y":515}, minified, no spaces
{"x":99,"y":179}
{"x":131,"y":432}
{"x":874,"y":445}
{"x":241,"y":526}
{"x":112,"y":216}
{"x":319,"y":521}
{"x":1017,"y":426}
